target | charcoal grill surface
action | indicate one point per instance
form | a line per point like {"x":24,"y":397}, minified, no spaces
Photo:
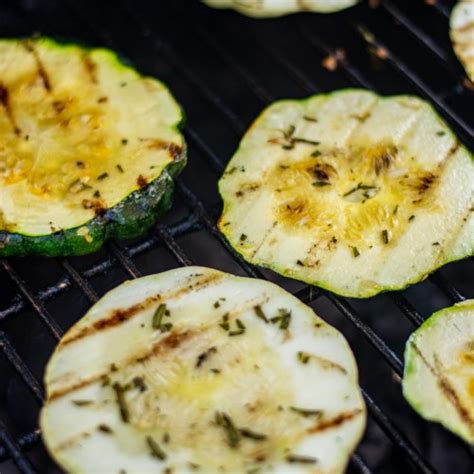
{"x":224,"y":68}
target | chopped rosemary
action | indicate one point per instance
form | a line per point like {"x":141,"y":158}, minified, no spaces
{"x":412,"y":217}
{"x":435,"y":243}
{"x":260,"y":314}
{"x":124,"y":141}
{"x":243,"y":237}
{"x":105,"y":428}
{"x":102,"y":176}
{"x":82,"y":403}
{"x":365,"y":187}
{"x":96,"y":193}
{"x":395,"y":210}
{"x":156,"y":322}
{"x":320,"y":184}
{"x":216,"y":304}
{"x":306,"y":412}
{"x":155,"y":449}
{"x":166,"y":438}
{"x":355,"y":252}
{"x":204,"y":355}
{"x":120,"y":168}
{"x":385,"y":236}
{"x":440,"y":133}
{"x":122,"y":403}
{"x":225,"y":322}
{"x":295,"y":458}
{"x":233,"y":435}
{"x":285,"y":318}
{"x":303,"y":357}
{"x":309,"y":119}
{"x":316,"y":153}
{"x":304,"y":140}
{"x":139,"y":382}
{"x":246,"y":433}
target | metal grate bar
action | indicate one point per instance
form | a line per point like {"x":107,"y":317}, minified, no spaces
{"x":20,"y":367}
{"x":180,"y":228}
{"x":395,"y":435}
{"x":320,"y":47}
{"x":350,"y":313}
{"x":411,"y":28}
{"x":260,"y":92}
{"x":212,"y":158}
{"x":407,"y":308}
{"x":173,"y":246}
{"x":25,"y":442}
{"x":449,"y":290}
{"x":360,"y":464}
{"x":125,"y":261}
{"x":14,"y":449}
{"x":37,"y":305}
{"x":79,"y":281}
{"x":425,"y":90}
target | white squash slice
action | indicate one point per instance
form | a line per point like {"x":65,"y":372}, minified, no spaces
{"x":462,"y":34}
{"x":272,"y":8}
{"x":350,"y":191}
{"x":439,"y":369}
{"x":194,"y":370}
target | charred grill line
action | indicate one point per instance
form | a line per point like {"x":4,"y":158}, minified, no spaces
{"x":6,"y":103}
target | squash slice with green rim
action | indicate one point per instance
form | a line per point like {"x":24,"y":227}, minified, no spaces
{"x":462,"y":34}
{"x":350,"y":191}
{"x":88,"y":148}
{"x":194,"y":370}
{"x":439,"y":369}
{"x":272,"y":8}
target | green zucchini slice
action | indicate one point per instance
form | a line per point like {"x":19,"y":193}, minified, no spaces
{"x":439,"y":369}
{"x":462,"y":34}
{"x":272,"y":8}
{"x":350,"y":191}
{"x":88,"y":148}
{"x":198,"y":370}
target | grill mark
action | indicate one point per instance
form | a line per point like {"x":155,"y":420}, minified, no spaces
{"x":334,"y":422}
{"x":39,"y":65}
{"x":90,"y":67}
{"x":265,"y":238}
{"x":119,"y":316}
{"x":6,"y":103}
{"x":446,"y":388}
{"x":169,"y":343}
{"x":174,"y":150}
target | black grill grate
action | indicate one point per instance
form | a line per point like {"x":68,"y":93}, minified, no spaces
{"x":224,"y":68}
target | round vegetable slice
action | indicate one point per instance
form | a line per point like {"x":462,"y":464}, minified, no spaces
{"x":350,"y":191}
{"x":462,"y":34}
{"x":439,"y":369}
{"x":272,"y":8}
{"x":198,"y":369}
{"x":88,"y":148}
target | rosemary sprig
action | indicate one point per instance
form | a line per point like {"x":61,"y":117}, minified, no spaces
{"x":233,"y":435}
{"x":155,"y":449}
{"x":260,"y":314}
{"x":122,"y":402}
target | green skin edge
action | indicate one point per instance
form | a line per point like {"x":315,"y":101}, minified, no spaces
{"x":411,"y":358}
{"x":130,"y":218}
{"x":322,"y":284}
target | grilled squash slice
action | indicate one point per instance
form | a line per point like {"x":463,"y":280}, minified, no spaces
{"x":439,"y":369}
{"x":88,"y":148}
{"x":198,"y":370}
{"x":351,"y":192}
{"x":272,"y":8}
{"x":462,"y":34}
